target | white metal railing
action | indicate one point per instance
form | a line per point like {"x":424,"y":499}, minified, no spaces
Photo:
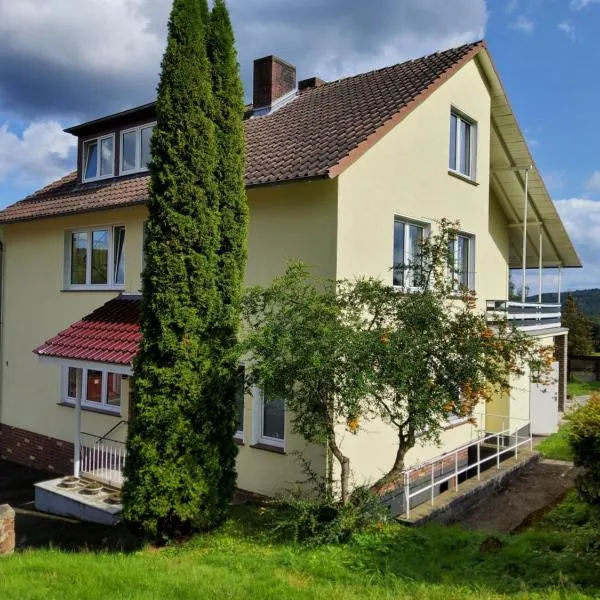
{"x":525,"y":315}
{"x":102,"y":459}
{"x":500,"y":442}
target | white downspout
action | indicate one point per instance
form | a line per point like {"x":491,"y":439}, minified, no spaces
{"x":540,"y":267}
{"x":523,"y":295}
{"x":77,"y":440}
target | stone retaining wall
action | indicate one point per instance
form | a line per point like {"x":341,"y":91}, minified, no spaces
{"x":7,"y":529}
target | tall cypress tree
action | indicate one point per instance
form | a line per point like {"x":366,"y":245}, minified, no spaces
{"x":228,"y":115}
{"x":173,"y":475}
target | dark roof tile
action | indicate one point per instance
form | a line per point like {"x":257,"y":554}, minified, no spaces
{"x":318,"y":134}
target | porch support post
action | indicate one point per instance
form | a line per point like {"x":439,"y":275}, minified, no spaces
{"x":540,"y":267}
{"x":559,"y":281}
{"x":77,"y":441}
{"x":525,"y":206}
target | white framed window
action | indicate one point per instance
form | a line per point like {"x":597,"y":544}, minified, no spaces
{"x":269,"y":423}
{"x":97,"y":388}
{"x":95,"y":258}
{"x":461,"y":261}
{"x":135,"y":149}
{"x":463,"y":145}
{"x":98,"y":158}
{"x":239,"y":404}
{"x":408,"y":238}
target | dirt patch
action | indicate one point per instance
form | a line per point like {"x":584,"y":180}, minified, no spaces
{"x":524,"y":498}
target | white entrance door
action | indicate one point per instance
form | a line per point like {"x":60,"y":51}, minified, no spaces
{"x":543,"y":401}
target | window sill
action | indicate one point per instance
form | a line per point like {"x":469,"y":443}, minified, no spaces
{"x":462,"y":177}
{"x":238,"y":440}
{"x":268,"y":448}
{"x":452,"y":424}
{"x":96,"y":179}
{"x":94,"y":289}
{"x":100,"y":411}
{"x":132,"y":172}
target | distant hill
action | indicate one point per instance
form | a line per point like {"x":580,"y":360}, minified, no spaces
{"x":588,"y":301}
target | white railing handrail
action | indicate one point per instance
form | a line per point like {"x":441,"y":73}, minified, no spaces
{"x":508,"y":303}
{"x":532,"y":304}
{"x":456,"y":472}
{"x":481,"y":419}
{"x":103,"y":459}
{"x":439,"y":457}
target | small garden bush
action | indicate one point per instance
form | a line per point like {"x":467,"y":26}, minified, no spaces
{"x":323,"y":521}
{"x":584,"y":438}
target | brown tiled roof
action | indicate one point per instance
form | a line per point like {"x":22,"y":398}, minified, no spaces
{"x":110,"y":334}
{"x":318,"y":134}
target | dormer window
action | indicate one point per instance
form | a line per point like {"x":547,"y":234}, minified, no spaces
{"x":135,"y":149}
{"x":98,"y":158}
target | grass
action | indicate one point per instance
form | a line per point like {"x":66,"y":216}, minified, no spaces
{"x":556,"y":446}
{"x":578,"y":387}
{"x":433,"y":562}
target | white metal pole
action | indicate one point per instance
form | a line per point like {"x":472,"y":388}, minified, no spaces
{"x":559,"y":281}
{"x":77,"y":440}
{"x":432,"y":481}
{"x":456,"y":468}
{"x":523,"y":295}
{"x":540,"y":267}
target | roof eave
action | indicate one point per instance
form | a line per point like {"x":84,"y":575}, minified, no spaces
{"x":338,"y":168}
{"x":542,"y":209}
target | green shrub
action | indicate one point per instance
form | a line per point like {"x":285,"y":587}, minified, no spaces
{"x":322,"y":521}
{"x":584,"y":438}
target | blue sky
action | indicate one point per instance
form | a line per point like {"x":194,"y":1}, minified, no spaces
{"x":65,"y":61}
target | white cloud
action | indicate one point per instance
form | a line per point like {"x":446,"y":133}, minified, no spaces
{"x":83,"y":58}
{"x":100,"y":35}
{"x":42,"y":153}
{"x":582,"y":221}
{"x":523,"y":24}
{"x":581,"y":4}
{"x":593,"y":183}
{"x":568,"y":28}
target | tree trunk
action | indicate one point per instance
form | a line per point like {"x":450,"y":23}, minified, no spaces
{"x":393,"y":478}
{"x":345,"y":469}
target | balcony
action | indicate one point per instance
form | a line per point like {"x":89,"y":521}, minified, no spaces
{"x":527,"y":316}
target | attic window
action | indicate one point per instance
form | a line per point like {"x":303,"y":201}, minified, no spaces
{"x":98,"y":158}
{"x":463,"y":139}
{"x":135,"y":149}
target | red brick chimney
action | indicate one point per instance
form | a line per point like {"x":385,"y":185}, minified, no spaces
{"x":273,"y":79}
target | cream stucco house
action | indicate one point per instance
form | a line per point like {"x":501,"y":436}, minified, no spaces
{"x":346,"y":176}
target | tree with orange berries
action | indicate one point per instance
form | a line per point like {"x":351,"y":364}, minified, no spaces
{"x":343,"y":353}
{"x":432,"y":355}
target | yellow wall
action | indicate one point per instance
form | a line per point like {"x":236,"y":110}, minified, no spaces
{"x":297,"y":221}
{"x":406,"y":175}
{"x":291,"y":222}
{"x":35,"y":309}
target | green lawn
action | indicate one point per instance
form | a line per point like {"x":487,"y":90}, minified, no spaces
{"x":397,"y":562}
{"x":556,"y":446}
{"x":577,"y":387}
